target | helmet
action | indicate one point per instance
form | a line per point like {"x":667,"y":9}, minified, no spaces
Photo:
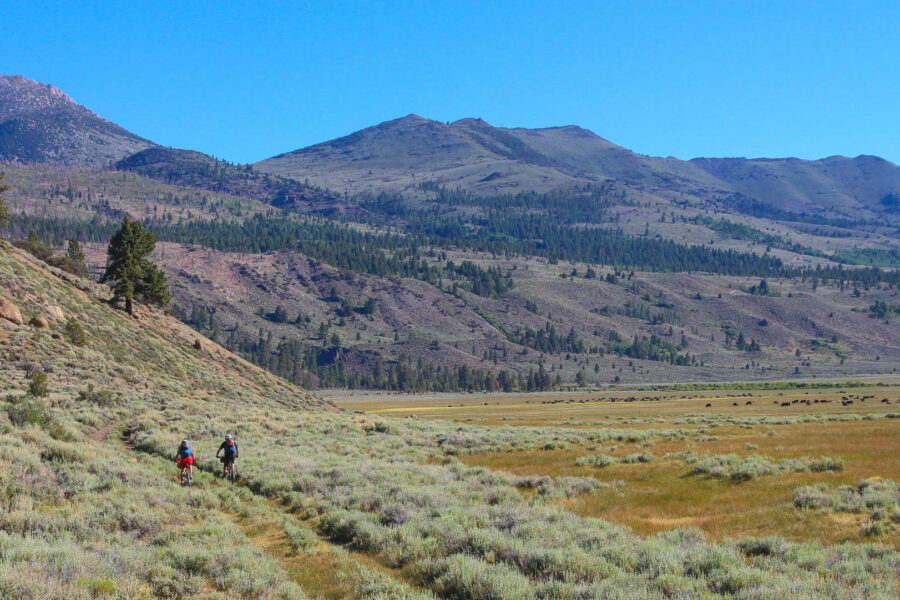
{"x":184,"y":442}
{"x":227,"y":437}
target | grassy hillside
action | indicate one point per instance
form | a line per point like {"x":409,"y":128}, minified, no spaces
{"x":324,"y":303}
{"x":88,"y":515}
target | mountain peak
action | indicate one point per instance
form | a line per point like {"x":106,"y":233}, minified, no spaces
{"x":40,"y":123}
{"x":21,"y":82}
{"x":476,"y":121}
{"x":19,"y":94}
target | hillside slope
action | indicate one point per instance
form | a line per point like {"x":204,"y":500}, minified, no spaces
{"x":87,"y":515}
{"x":201,"y":171}
{"x":470,"y":154}
{"x":822,"y":331}
{"x":325,"y":336}
{"x":40,"y":124}
{"x":83,"y":516}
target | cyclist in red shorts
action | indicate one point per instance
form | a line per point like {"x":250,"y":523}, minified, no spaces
{"x":185,"y":458}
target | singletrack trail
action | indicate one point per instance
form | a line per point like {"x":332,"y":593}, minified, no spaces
{"x":324,"y":570}
{"x":101,"y":434}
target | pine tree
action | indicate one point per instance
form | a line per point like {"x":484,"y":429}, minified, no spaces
{"x":74,"y":251}
{"x":4,"y":213}
{"x":129,"y":269}
{"x":76,"y":257}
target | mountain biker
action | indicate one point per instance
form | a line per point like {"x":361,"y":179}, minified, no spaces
{"x":184,"y":458}
{"x":229,"y":451}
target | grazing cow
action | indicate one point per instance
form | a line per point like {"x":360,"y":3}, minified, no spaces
{"x":747,"y":403}
{"x":734,"y":403}
{"x":785,"y":403}
{"x":708,"y":405}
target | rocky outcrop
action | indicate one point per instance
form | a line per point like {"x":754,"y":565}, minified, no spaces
{"x":40,"y":321}
{"x":10,"y":311}
{"x":54,"y":313}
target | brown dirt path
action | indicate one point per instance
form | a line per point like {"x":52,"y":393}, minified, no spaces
{"x":101,"y":434}
{"x":325,"y":572}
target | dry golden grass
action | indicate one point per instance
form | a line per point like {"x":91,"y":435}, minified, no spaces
{"x":663,"y":494}
{"x":316,"y":572}
{"x":532,"y":410}
{"x":325,"y":571}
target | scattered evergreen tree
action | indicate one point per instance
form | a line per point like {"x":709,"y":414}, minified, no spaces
{"x":5,"y":218}
{"x":129,"y":269}
{"x":370,"y":307}
{"x":74,"y":252}
{"x":280,"y":315}
{"x":581,"y":378}
{"x":73,"y":261}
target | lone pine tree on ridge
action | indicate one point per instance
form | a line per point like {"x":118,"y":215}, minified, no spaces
{"x":130,"y":270}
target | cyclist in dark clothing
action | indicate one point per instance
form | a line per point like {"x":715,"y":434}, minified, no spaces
{"x":229,"y":451}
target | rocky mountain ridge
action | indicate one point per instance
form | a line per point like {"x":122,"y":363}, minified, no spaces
{"x":472,"y":155}
{"x":41,"y":124}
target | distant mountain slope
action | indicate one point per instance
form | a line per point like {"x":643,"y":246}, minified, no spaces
{"x":38,"y":123}
{"x":198,"y":170}
{"x":836,"y":184}
{"x":469,"y":153}
{"x":473,"y":155}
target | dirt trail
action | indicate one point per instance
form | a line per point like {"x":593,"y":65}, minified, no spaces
{"x":325,"y":571}
{"x":101,"y":434}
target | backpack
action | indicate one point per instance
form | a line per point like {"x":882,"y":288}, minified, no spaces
{"x":230,"y":447}
{"x":185,"y":452}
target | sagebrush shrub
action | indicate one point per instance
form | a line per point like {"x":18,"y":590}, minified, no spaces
{"x":28,"y":412}
{"x":300,"y":540}
{"x":75,"y":332}
{"x":37,"y":386}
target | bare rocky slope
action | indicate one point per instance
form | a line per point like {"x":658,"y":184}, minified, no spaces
{"x":40,"y":124}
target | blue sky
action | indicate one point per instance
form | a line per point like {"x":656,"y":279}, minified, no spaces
{"x":248,"y":80}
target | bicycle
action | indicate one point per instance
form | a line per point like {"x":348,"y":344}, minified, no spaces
{"x":230,"y":472}
{"x":186,"y":479}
